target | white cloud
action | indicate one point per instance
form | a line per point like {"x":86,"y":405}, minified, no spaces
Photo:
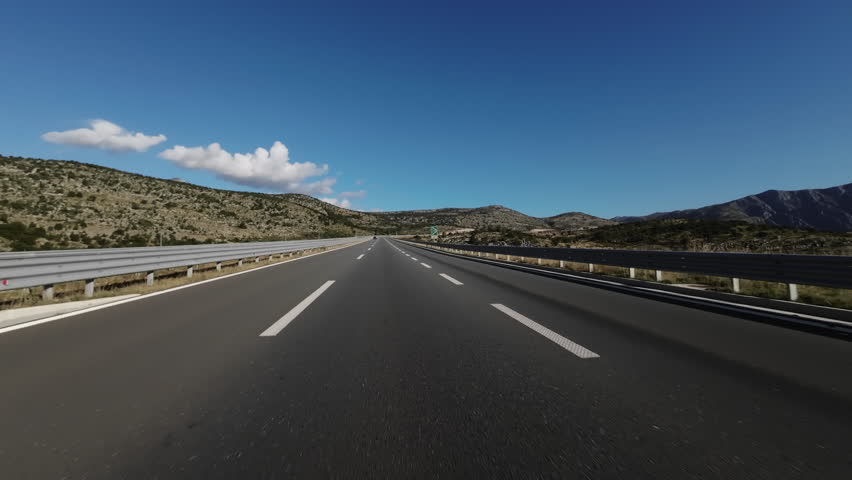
{"x":358,"y":194}
{"x":263,"y":168}
{"x":340,"y":202}
{"x":320,"y":187}
{"x":106,"y":136}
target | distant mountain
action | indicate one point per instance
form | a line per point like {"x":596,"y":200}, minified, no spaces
{"x":576,"y":221}
{"x":820,"y":209}
{"x":481,"y":217}
{"x":493,"y":216}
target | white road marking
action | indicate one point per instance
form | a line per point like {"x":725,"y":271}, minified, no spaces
{"x":360,"y":257}
{"x":292,"y":314}
{"x":739,"y":307}
{"x":427,"y":266}
{"x":414,"y":259}
{"x":451,"y":279}
{"x":547,"y":333}
{"x":20,"y":326}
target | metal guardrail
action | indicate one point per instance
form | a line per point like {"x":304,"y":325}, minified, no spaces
{"x":820,"y":270}
{"x":46,"y":268}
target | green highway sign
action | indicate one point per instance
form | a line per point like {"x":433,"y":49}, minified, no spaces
{"x":434,"y":232}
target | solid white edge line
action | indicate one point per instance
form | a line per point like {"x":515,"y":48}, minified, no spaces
{"x":154,"y":294}
{"x":360,"y":257}
{"x":276,"y":327}
{"x":547,"y":333}
{"x":664,"y":293}
{"x":451,"y":279}
{"x":427,"y":266}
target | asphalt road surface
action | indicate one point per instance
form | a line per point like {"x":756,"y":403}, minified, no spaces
{"x":383,"y":360}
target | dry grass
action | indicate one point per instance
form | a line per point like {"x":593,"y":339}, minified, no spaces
{"x":814,"y":295}
{"x":135,"y":283}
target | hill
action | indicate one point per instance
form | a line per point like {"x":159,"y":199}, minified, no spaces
{"x":482,"y":217}
{"x":675,"y":234}
{"x":577,"y":221}
{"x":821,"y":209}
{"x":65,"y":204}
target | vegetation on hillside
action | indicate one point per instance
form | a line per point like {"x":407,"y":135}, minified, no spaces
{"x":47,"y":204}
{"x":675,"y":234}
{"x":59,"y":204}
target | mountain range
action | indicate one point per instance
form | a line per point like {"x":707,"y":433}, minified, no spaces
{"x":819,"y":209}
{"x":66,"y":204}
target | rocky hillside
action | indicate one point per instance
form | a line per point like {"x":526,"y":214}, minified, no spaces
{"x":577,"y":221}
{"x":492,"y":215}
{"x":821,"y":209}
{"x":59,"y":204}
{"x":673,"y":234}
{"x":64,"y":204}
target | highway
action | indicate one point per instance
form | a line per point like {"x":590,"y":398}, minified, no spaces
{"x":385,"y":360}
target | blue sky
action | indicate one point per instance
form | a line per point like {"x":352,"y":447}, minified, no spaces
{"x":611,"y":108}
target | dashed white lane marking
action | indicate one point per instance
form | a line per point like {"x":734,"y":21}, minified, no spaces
{"x":547,"y":333}
{"x":451,"y":279}
{"x":360,"y":256}
{"x":427,"y":266}
{"x":146,"y":296}
{"x":414,"y":259}
{"x":292,"y":314}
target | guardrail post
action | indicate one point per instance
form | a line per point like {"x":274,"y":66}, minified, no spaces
{"x":561,"y":263}
{"x":218,"y":266}
{"x":632,"y":272}
{"x":256,"y":259}
{"x":591,"y":268}
{"x":47,"y":293}
{"x":539,"y":260}
{"x":522,"y":259}
{"x":149,"y":279}
{"x":735,"y":285}
{"x":658,"y":274}
{"x":793,"y":290}
{"x":240,"y":263}
{"x":189,"y":272}
{"x":89,"y":290}
{"x":508,"y":258}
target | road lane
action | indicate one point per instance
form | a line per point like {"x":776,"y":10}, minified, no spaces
{"x":74,"y":386}
{"x":395,"y":373}
{"x":801,"y":358}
